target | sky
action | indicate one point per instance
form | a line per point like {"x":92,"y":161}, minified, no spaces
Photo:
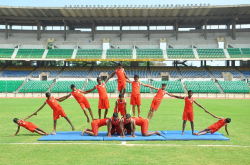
{"x":62,"y":3}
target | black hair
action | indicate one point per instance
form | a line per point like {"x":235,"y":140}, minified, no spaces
{"x":115,"y":114}
{"x":15,"y":120}
{"x":119,"y":64}
{"x":121,"y":95}
{"x":98,"y":78}
{"x":128,"y":115}
{"x":163,"y":84}
{"x":47,"y":94}
{"x":72,"y":86}
{"x":136,"y":76}
{"x":190,"y":91}
{"x":228,"y":120}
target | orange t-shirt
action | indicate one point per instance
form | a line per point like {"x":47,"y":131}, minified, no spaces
{"x":136,"y":88}
{"x":127,"y":122}
{"x":120,"y":105}
{"x":139,"y":120}
{"x":53,"y":104}
{"x":219,"y":124}
{"x":78,"y":95}
{"x":115,"y":123}
{"x":102,"y":91}
{"x":188,"y":104}
{"x":24,"y":124}
{"x":160,"y":94}
{"x":120,"y":74}
{"x":101,"y":122}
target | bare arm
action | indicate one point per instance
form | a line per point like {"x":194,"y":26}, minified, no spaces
{"x":153,"y":87}
{"x":129,"y":81}
{"x":126,"y":75}
{"x":125,"y":108}
{"x":109,"y":128}
{"x":146,"y":85}
{"x":63,"y":98}
{"x":91,"y":90}
{"x":39,"y":109}
{"x":200,"y":105}
{"x":18,"y":128}
{"x":116,"y":107}
{"x":121,"y":128}
{"x":178,"y":97}
{"x":133,"y":128}
{"x":226,"y":130}
{"x":112,"y":75}
{"x":28,"y":117}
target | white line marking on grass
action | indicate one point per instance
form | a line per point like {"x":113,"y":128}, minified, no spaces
{"x":165,"y":145}
{"x":123,"y":142}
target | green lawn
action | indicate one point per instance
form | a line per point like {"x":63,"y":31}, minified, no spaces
{"x":15,"y":150}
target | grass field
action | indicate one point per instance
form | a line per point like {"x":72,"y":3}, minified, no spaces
{"x":25,"y":149}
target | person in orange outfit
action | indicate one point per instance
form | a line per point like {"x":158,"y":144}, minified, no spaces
{"x":28,"y":125}
{"x":121,"y":75}
{"x":114,"y":125}
{"x":188,"y":110}
{"x":157,"y":100}
{"x":103,"y":96}
{"x":121,"y":105}
{"x":135,"y":99}
{"x":95,"y":124}
{"x":128,"y":124}
{"x":81,"y":99}
{"x":144,"y":126}
{"x":57,"y":110}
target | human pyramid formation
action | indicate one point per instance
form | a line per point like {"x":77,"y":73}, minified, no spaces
{"x":125,"y":124}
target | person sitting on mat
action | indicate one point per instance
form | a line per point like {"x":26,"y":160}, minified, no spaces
{"x":144,"y":126}
{"x":127,"y":124}
{"x":114,"y":125}
{"x":95,"y":124}
{"x":120,"y":105}
{"x":28,"y":125}
{"x":188,"y":110}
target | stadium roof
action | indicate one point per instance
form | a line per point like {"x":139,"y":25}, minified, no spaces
{"x":186,"y":16}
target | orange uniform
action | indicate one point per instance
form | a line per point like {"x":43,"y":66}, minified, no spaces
{"x":115,"y":126}
{"x":216,"y":126}
{"x":120,"y":106}
{"x":157,"y":99}
{"x":103,"y":97}
{"x":121,"y":79}
{"x":188,"y":109}
{"x":27,"y":125}
{"x":135,"y":94}
{"x":141,"y":122}
{"x":127,"y":125}
{"x":80,"y":99}
{"x":57,"y":109}
{"x":96,"y":124}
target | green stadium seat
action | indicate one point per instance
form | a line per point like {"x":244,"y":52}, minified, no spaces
{"x":35,"y":86}
{"x":234,"y":86}
{"x":60,"y":53}
{"x":64,"y":86}
{"x":10,"y":85}
{"x":180,"y":53}
{"x":149,"y":53}
{"x":30,"y":53}
{"x":142,"y":89}
{"x":172,"y":86}
{"x":211,"y":53}
{"x":6,"y":53}
{"x":202,"y":86}
{"x":110,"y":86}
{"x":119,"y":53}
{"x":89,"y":53}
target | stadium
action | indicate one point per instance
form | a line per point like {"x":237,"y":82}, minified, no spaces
{"x":202,"y":48}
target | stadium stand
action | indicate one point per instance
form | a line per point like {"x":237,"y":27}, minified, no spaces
{"x":141,"y":71}
{"x":245,"y":52}
{"x":217,"y":71}
{"x":89,"y":53}
{"x":194,"y":72}
{"x":211,"y":53}
{"x":53,"y":71}
{"x":64,"y":86}
{"x":172,"y":86}
{"x":234,"y":52}
{"x":75,"y":72}
{"x":202,"y":86}
{"x":97,"y":70}
{"x":10,"y":85}
{"x":244,"y":70}
{"x":142,"y":89}
{"x":17,"y":71}
{"x":6,"y":53}
{"x":180,"y":53}
{"x":35,"y":86}
{"x":119,"y":53}
{"x":156,"y":71}
{"x":234,"y":86}
{"x":60,"y":53}
{"x":110,"y":86}
{"x":149,"y":53}
{"x":1,"y":67}
{"x":30,"y":53}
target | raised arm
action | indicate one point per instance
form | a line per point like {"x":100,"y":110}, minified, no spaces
{"x":28,"y":117}
{"x":63,"y":98}
{"x":153,"y":87}
{"x":112,"y":75}
{"x":178,"y":97}
{"x":18,"y":128}
{"x":146,"y":85}
{"x":88,"y":91}
{"x":226,"y":130}
{"x":126,"y":75}
{"x":129,"y":81}
{"x":39,"y":109}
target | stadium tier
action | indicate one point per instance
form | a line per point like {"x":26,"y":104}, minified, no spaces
{"x":64,"y":86}
{"x":89,"y":53}
{"x":180,"y":53}
{"x":60,"y":53}
{"x":75,"y":72}
{"x":217,"y":71}
{"x":10,"y":85}
{"x":140,"y":71}
{"x":30,"y":53}
{"x":119,"y":53}
{"x":202,"y":86}
{"x":194,"y":72}
{"x":142,"y":88}
{"x":234,"y":52}
{"x":97,"y":70}
{"x":110,"y":86}
{"x":245,"y":71}
{"x":172,"y":86}
{"x":35,"y":86}
{"x":53,"y":71}
{"x":245,"y":52}
{"x":211,"y":53}
{"x":234,"y":86}
{"x":6,"y":53}
{"x":156,"y":71}
{"x":17,"y":71}
{"x":149,"y":53}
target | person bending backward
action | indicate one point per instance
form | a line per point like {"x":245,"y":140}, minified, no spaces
{"x":121,"y":105}
{"x":121,"y":78}
{"x":95,"y":125}
{"x":157,"y":100}
{"x":135,"y":99}
{"x":28,"y":125}
{"x":81,"y":99}
{"x":103,"y":96}
{"x":144,"y":126}
{"x":188,"y":110}
{"x":57,"y":110}
{"x":114,"y":125}
{"x":127,"y":124}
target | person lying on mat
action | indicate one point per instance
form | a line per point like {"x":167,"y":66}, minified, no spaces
{"x":127,"y":124}
{"x":114,"y":125}
{"x":28,"y":125}
{"x":216,"y":126}
{"x":144,"y":126}
{"x":95,"y":124}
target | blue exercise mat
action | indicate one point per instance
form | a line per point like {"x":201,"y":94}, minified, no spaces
{"x":176,"y":135}
{"x":138,"y":137}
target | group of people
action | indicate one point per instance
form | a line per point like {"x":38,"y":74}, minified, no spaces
{"x":125,"y":123}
